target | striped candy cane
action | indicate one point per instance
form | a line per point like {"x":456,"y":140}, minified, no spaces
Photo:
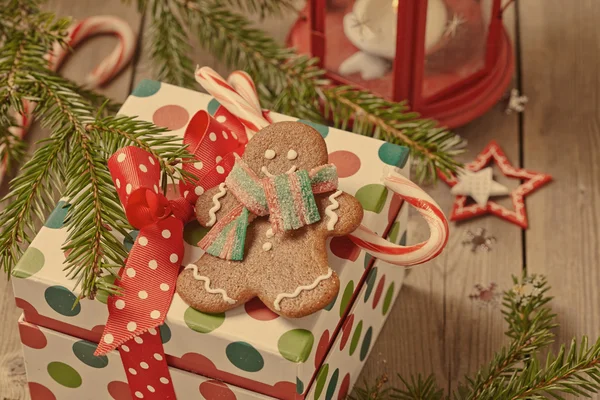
{"x":238,"y":95}
{"x":243,"y":104}
{"x":108,"y":68}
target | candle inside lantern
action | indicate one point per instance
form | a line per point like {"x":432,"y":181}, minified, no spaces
{"x":372,"y":27}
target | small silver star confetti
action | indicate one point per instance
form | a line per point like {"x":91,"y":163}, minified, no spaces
{"x":479,"y":240}
{"x":453,"y":25}
{"x":516,"y":102}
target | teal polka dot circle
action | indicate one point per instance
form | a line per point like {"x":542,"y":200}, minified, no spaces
{"x":244,"y":356}
{"x":322,"y":129}
{"x":31,"y":262}
{"x":364,"y":348}
{"x":64,"y":374}
{"x":393,"y":154}
{"x":62,"y":300}
{"x":128,"y":242}
{"x":56,"y":219}
{"x":332,"y":385}
{"x":299,"y":386}
{"x":165,"y":333}
{"x":146,"y":88}
{"x":371,"y":278}
{"x":84,"y":351}
{"x":213,"y":106}
{"x":329,"y":306}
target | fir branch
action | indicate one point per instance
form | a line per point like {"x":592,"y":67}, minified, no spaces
{"x":262,"y":7}
{"x":376,"y":392}
{"x":418,"y":389}
{"x":12,"y":148}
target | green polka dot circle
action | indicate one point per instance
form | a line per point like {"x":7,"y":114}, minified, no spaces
{"x":244,"y":356}
{"x":392,"y":154}
{"x":387,"y":300}
{"x":62,"y":300}
{"x":348,"y":291}
{"x":202,"y":322}
{"x":372,"y":197}
{"x":56,"y":219}
{"x":322,"y":129}
{"x":296,"y":345}
{"x":321,"y":378}
{"x":64,"y":374}
{"x":84,"y":351}
{"x":31,"y":262}
{"x":355,"y":337}
{"x":146,"y":88}
{"x":393,"y":235}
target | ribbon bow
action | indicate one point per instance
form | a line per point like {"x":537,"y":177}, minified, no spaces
{"x":288,"y":199}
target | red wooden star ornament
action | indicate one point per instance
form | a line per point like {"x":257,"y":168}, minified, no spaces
{"x":530,"y":181}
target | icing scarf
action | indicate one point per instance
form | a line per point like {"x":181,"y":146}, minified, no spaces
{"x":288,"y":199}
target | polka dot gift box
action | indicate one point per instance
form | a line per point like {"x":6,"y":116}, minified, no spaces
{"x":249,"y":352}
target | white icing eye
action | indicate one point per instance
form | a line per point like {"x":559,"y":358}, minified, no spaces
{"x":292,"y":155}
{"x":269,"y":154}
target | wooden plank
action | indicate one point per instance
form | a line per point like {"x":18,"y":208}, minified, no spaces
{"x":435,"y":327}
{"x":12,"y":371}
{"x":561,"y":137}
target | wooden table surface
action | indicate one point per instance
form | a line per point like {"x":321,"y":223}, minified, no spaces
{"x":435,"y":326}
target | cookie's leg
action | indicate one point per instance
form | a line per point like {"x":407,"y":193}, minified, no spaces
{"x":306,"y":296}
{"x":213,"y":285}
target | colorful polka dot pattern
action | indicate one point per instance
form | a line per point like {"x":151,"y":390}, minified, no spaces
{"x":102,"y":295}
{"x":32,"y":336}
{"x":346,"y":297}
{"x":299,"y":386}
{"x":364,"y":348}
{"x":31,"y":262}
{"x":202,"y":322}
{"x":56,"y":219}
{"x":332,"y":384}
{"x":165,"y":333}
{"x":322,"y":348}
{"x":346,"y":331}
{"x":118,"y":390}
{"x":296,"y":345}
{"x":84,"y":351}
{"x":258,"y":311}
{"x":378,"y":292}
{"x":146,"y":88}
{"x":371,"y":278}
{"x":64,"y":374}
{"x":128,"y":241}
{"x":171,"y":117}
{"x":393,"y":234}
{"x":346,"y":162}
{"x":216,"y":390}
{"x":372,"y":197}
{"x":344,"y":248}
{"x":393,"y":154}
{"x":62,"y":300}
{"x":244,"y":356}
{"x":322,"y":129}
{"x":355,"y":337}
{"x":40,"y":392}
{"x":321,"y":379}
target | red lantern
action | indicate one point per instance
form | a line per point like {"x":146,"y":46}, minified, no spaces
{"x":451,"y":59}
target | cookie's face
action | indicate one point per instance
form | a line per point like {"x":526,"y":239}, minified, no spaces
{"x":285,"y":147}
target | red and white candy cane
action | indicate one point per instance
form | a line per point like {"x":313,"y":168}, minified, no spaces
{"x":239,"y":96}
{"x":108,"y":68}
{"x":407,"y":255}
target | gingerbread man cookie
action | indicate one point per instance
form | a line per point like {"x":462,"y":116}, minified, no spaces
{"x":269,"y":224}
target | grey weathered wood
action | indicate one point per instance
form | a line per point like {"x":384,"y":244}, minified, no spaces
{"x":13,"y":383}
{"x":562,"y":137}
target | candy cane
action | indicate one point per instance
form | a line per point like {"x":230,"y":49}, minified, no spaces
{"x":407,"y":255}
{"x":108,"y":68}
{"x":247,"y":111}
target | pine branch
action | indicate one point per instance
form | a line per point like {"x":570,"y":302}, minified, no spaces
{"x":418,"y":389}
{"x":262,"y":7}
{"x":375,"y":392}
{"x":12,"y":148}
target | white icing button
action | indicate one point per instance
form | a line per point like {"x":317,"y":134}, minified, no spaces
{"x":292,"y":155}
{"x":158,"y":357}
{"x":221,"y":118}
{"x":151,"y":160}
{"x":128,"y":188}
{"x":143,"y":240}
{"x":142,"y":294}
{"x":212,"y":136}
{"x":150,"y":389}
{"x":121,"y":157}
{"x":108,"y":338}
{"x":132,"y":371}
{"x":143,"y":168}
{"x":152,"y":264}
{"x":173,"y":257}
{"x":199,"y":190}
{"x":164,"y":380}
{"x":166,"y":233}
{"x":125,"y":348}
{"x":130,"y":272}
{"x":220,"y":169}
{"x":164,"y":287}
{"x":131,"y":326}
{"x":155,"y":314}
{"x":267,"y":246}
{"x":118,"y":182}
{"x":269,"y":154}
{"x":270,"y":233}
{"x":138,"y":340}
{"x":198,"y":165}
{"x":225,"y":135}
{"x":139,"y":395}
{"x":120,"y":304}
{"x":144,"y":365}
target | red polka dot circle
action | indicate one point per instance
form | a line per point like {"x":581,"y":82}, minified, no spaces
{"x":322,"y":348}
{"x":171,"y":117}
{"x":119,"y":390}
{"x":378,"y":292}
{"x":257,"y":310}
{"x":346,"y":329}
{"x":32,"y":336}
{"x":347,"y":163}
{"x":40,"y":392}
{"x":216,"y":390}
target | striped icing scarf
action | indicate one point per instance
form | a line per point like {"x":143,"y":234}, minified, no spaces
{"x":288,"y":199}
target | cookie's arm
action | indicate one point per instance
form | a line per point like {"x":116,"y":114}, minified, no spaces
{"x":340,"y":213}
{"x":214,"y":204}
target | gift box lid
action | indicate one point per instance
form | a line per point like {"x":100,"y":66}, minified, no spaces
{"x":249,"y":346}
